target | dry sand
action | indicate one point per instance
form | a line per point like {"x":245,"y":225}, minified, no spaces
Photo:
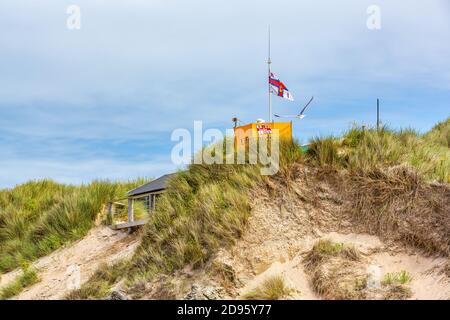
{"x":59,"y":270}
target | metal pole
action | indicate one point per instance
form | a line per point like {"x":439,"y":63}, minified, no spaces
{"x":378,"y":114}
{"x":269,"y":62}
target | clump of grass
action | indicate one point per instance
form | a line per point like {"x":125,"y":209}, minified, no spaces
{"x":273,"y":288}
{"x":38,"y":217}
{"x":324,"y":152}
{"x":336,"y":271}
{"x":291,"y":154}
{"x":394,"y":285}
{"x":392,"y":278}
{"x":440,"y":134}
{"x":397,"y":292}
{"x":26,"y":279}
{"x":325,"y":249}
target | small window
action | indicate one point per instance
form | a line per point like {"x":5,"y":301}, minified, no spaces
{"x":146,"y":202}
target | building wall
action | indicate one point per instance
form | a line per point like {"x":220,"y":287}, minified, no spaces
{"x":243,"y":134}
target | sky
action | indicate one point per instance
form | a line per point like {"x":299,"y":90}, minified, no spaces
{"x":101,"y":102}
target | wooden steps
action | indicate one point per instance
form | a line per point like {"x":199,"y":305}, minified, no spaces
{"x":129,"y":224}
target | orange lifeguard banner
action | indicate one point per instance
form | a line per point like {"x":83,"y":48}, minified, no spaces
{"x":243,"y":134}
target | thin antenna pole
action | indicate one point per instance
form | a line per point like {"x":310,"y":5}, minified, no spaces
{"x":378,"y":114}
{"x":269,"y":62}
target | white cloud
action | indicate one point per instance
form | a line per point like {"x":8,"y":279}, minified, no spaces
{"x":138,"y":69}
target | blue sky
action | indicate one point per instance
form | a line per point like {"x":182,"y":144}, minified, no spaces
{"x":102,"y":101}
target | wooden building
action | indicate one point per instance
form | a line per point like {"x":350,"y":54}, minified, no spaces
{"x":242,"y":134}
{"x":147,"y":194}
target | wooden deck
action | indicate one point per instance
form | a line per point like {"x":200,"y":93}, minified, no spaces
{"x":129,"y":224}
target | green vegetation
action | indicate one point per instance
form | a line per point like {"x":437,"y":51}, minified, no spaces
{"x":121,"y":212}
{"x":394,"y":285}
{"x":273,"y":288}
{"x":26,"y":279}
{"x":339,"y":272}
{"x":207,"y":207}
{"x":336,"y":270}
{"x":362,"y":150}
{"x":325,"y":249}
{"x":396,"y":203}
{"x":395,"y":278}
{"x":204,"y":208}
{"x":397,"y":292}
{"x":99,"y":284}
{"x":440,"y":134}
{"x":38,"y":217}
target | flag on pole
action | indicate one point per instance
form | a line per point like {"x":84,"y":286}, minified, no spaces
{"x":278,"y":88}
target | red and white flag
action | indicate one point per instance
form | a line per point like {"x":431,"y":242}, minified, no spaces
{"x":278,"y":88}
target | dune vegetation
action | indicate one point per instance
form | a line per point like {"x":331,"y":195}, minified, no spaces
{"x":362,"y":150}
{"x":38,"y":217}
{"x":206,"y":207}
{"x":272,"y":288}
{"x":28,"y":277}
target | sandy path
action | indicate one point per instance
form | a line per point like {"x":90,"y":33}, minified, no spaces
{"x":60,"y":270}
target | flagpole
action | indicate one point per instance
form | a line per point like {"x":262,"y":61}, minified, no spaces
{"x":269,"y":62}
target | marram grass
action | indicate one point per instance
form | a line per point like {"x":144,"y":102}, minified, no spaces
{"x":28,"y":277}
{"x":362,"y":150}
{"x":38,"y":217}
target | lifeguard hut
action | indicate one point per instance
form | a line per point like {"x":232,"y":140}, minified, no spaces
{"x":244,"y":133}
